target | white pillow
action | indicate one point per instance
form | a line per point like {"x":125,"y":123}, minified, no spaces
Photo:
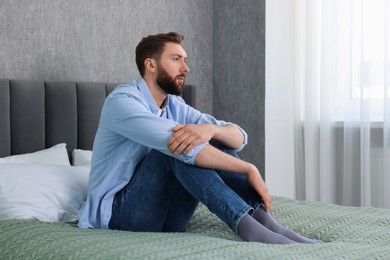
{"x":41,"y":191}
{"x":81,"y":157}
{"x":54,"y":155}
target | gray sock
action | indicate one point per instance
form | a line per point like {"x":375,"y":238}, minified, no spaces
{"x":252,"y":231}
{"x":266,"y":219}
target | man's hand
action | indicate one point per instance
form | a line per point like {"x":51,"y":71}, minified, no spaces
{"x":186,"y":137}
{"x":256,"y":181}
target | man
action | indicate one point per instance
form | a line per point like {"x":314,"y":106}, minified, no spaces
{"x":155,"y":157}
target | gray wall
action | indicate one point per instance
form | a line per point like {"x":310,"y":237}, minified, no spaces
{"x":94,"y":40}
{"x":239,"y":70}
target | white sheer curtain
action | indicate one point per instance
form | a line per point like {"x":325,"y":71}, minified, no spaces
{"x":342,"y":101}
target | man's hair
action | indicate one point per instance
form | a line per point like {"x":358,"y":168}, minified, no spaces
{"x":152,"y":46}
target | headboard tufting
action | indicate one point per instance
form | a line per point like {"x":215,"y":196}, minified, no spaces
{"x":35,"y":115}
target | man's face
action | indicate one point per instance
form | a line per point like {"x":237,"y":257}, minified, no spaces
{"x":171,"y":85}
{"x":172,"y":69}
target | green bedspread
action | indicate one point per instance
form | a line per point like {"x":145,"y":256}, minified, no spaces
{"x":349,"y":233}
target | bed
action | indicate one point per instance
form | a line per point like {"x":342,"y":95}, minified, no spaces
{"x":46,"y":136}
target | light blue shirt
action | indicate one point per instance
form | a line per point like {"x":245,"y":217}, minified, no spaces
{"x":129,"y":128}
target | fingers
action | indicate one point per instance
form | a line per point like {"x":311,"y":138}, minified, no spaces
{"x":178,"y":127}
{"x":186,"y":137}
{"x":267,"y":203}
{"x":257,"y":182}
{"x":181,"y":141}
{"x":174,"y":141}
{"x":265,"y":196}
{"x":182,"y":145}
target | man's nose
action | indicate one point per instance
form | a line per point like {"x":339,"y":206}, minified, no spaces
{"x":185,"y":68}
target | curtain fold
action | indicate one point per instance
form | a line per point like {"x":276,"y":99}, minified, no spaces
{"x":342,"y":101}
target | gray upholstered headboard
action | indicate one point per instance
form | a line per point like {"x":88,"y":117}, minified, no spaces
{"x":35,"y":115}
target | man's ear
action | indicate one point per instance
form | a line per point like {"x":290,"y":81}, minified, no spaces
{"x":150,"y":65}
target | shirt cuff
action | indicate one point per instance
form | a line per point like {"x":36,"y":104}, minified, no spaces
{"x":190,"y":157}
{"x":245,"y":138}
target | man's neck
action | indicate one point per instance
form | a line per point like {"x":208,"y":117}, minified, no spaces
{"x":158,"y":94}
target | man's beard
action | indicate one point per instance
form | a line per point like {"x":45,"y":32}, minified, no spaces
{"x":168,"y":83}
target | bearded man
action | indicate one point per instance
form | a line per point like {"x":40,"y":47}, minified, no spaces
{"x":155,"y":158}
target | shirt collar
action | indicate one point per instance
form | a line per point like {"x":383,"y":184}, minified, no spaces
{"x":143,"y":87}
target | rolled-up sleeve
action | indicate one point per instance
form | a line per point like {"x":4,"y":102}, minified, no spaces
{"x":197,"y":117}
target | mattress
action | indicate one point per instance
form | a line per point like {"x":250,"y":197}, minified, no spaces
{"x":349,"y":233}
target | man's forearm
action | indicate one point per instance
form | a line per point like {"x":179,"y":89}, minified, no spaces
{"x":186,"y":137}
{"x":213,"y":158}
{"x":229,"y":135}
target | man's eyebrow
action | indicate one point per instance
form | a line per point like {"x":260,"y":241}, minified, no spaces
{"x":179,"y":55}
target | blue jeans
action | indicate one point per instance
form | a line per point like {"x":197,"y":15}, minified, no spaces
{"x":164,"y":192}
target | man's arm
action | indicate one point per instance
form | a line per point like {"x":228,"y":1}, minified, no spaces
{"x":213,"y":158}
{"x":186,"y":137}
{"x":229,"y":135}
